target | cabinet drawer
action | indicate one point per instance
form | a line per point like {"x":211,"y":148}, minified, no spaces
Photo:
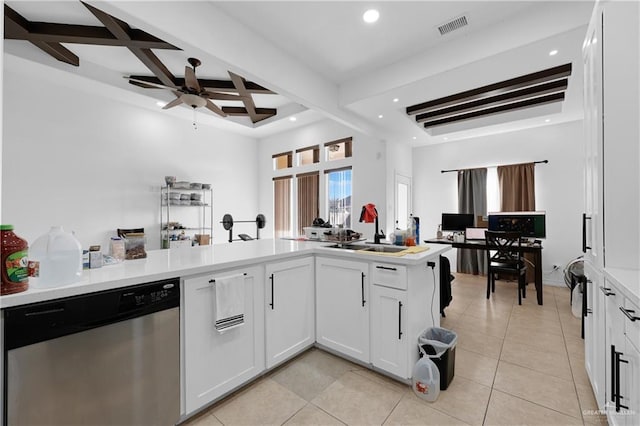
{"x":632,"y":328}
{"x":389,"y":275}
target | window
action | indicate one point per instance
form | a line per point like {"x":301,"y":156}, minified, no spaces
{"x":309,"y":155}
{"x":339,"y":196}
{"x":308,"y":196}
{"x":338,"y":149}
{"x":282,"y":206}
{"x":282,"y":161}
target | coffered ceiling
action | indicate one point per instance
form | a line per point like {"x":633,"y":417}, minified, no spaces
{"x":322,"y":60}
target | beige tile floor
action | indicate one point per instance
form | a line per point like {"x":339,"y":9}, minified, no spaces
{"x":515,"y":365}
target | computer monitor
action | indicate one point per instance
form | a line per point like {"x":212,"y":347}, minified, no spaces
{"x":531,"y":224}
{"x":457,"y":222}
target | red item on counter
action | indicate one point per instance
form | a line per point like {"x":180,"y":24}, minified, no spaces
{"x":369,"y":213}
{"x":15,"y":274}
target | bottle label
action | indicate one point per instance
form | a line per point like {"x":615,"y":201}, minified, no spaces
{"x":16,"y":265}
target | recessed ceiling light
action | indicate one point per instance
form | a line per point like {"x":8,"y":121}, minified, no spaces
{"x":414,"y":138}
{"x":292,"y":118}
{"x":371,"y":16}
{"x":446,"y":138}
{"x":547,"y":120}
{"x":161,"y":104}
{"x":380,"y":116}
{"x":395,"y":99}
{"x":553,"y":52}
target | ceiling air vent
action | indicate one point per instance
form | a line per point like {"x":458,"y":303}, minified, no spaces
{"x":453,"y":25}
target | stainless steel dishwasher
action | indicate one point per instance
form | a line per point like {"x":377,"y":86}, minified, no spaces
{"x":105,"y":358}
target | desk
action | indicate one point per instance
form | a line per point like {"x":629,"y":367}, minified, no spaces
{"x":536,"y":249}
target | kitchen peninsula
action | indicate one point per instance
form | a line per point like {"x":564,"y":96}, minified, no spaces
{"x":366,"y":306}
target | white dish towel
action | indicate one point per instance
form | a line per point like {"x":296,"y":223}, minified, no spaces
{"x":229,"y":302}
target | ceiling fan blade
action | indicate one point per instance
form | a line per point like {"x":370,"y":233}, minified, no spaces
{"x":175,"y":102}
{"x":213,"y":107}
{"x":190,"y":79}
{"x":220,"y":96}
{"x":144,"y":83}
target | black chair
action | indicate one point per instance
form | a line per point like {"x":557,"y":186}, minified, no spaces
{"x":504,"y":257}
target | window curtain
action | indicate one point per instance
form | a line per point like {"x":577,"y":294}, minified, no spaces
{"x":517,"y":194}
{"x":472,"y":198}
{"x":282,"y":206}
{"x":308,"y":195}
{"x":517,"y":187}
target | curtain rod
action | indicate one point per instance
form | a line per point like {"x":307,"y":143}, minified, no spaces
{"x":458,"y":170}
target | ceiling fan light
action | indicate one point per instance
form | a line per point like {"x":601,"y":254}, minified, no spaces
{"x":193,"y":101}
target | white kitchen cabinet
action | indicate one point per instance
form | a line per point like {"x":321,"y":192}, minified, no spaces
{"x":289,"y":309}
{"x":216,"y":363}
{"x":388,"y":330}
{"x":632,"y":388}
{"x":594,"y":332}
{"x":612,"y":131}
{"x":342,"y":306}
{"x":404,"y":302}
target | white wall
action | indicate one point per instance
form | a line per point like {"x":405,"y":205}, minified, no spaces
{"x":368,"y":173}
{"x":559,"y":184}
{"x":93,"y":164}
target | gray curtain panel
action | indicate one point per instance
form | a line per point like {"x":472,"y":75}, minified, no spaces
{"x":472,"y":198}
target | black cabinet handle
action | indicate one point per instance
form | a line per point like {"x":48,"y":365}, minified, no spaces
{"x":399,"y":320}
{"x":585,"y":292}
{"x":628,"y":312}
{"x":618,"y":397}
{"x":362,"y":282}
{"x":271,"y":304}
{"x":585,"y":247}
{"x":613,"y":373}
{"x":607,"y":291}
{"x":386,"y":267}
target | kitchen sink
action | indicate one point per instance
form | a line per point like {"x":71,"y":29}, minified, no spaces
{"x":348,"y":246}
{"x":384,"y":249}
{"x":381,"y":248}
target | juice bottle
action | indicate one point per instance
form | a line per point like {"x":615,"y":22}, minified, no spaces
{"x":15,"y":276}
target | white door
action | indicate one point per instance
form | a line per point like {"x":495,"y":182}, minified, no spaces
{"x":289,"y":309}
{"x":342,"y":306}
{"x":389,"y":330}
{"x":402,"y":201}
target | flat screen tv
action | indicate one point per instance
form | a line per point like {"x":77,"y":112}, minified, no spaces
{"x":531,"y":224}
{"x":457,"y":222}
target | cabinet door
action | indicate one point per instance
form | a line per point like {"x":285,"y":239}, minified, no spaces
{"x":342,"y":306}
{"x":389,"y":330}
{"x":289,"y":309}
{"x":632,"y":385}
{"x":594,"y":333}
{"x":621,"y":27}
{"x":593,"y":222}
{"x":614,"y":334}
{"x":216,"y":363}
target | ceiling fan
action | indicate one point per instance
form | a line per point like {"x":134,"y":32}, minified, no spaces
{"x":192,"y":93}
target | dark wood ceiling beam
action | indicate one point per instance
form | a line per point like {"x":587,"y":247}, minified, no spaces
{"x":543,"y":76}
{"x":17,"y":27}
{"x":509,"y":97}
{"x":59,"y":52}
{"x":83,"y":34}
{"x":261,"y":113}
{"x":529,"y":103}
{"x":122,"y":31}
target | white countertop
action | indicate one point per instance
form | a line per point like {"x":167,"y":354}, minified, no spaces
{"x":162,"y":264}
{"x":628,"y":280}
